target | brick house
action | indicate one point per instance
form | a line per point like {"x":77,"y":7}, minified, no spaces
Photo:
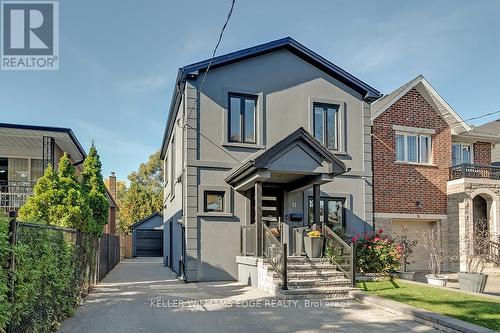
{"x":425,"y":161}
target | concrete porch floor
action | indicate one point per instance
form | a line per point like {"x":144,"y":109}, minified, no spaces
{"x":123,"y":303}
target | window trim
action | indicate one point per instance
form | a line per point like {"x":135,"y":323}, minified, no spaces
{"x":242,"y":97}
{"x":325,"y":109}
{"x":341,"y":121}
{"x":405,"y":136}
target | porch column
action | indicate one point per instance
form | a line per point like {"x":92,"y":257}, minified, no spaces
{"x":258,"y":220}
{"x":316,"y":207}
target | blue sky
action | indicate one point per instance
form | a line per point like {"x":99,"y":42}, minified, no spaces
{"x":119,"y":58}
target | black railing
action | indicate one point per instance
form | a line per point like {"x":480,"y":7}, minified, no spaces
{"x":474,"y":171}
{"x":341,"y":254}
{"x":276,"y":254}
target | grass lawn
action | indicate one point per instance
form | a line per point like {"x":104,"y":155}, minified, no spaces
{"x":473,"y":309}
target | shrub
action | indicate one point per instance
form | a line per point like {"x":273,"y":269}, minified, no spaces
{"x":376,"y":253}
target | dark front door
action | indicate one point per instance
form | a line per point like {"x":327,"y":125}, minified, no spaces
{"x":272,"y":206}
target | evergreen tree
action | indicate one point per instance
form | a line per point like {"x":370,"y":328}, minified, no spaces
{"x":95,"y":191}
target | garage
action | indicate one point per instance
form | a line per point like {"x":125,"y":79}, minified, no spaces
{"x":147,"y":236}
{"x":415,"y":229}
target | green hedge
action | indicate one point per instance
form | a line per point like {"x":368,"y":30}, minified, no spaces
{"x":51,"y":276}
{"x":4,"y":255}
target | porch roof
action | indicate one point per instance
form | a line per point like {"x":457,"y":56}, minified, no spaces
{"x":298,"y":160}
{"x":31,"y":137}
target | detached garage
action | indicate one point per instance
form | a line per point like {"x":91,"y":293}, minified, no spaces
{"x":147,"y":236}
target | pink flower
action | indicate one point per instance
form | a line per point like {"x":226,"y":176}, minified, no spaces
{"x":380,"y":231}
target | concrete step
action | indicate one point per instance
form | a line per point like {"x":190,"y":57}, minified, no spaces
{"x":309,"y":283}
{"x":302,"y":259}
{"x":305,"y":275}
{"x":331,"y":293}
{"x":313,"y":266}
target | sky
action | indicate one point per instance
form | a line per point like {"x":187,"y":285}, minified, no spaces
{"x":119,"y":59}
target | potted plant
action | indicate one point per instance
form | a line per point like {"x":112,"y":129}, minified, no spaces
{"x":406,"y":248}
{"x":313,"y":244}
{"x":432,"y":242}
{"x":476,"y":249}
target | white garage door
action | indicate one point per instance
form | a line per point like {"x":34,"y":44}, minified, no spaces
{"x":415,"y":228}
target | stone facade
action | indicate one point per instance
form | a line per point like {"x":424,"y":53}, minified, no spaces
{"x":461,"y":193}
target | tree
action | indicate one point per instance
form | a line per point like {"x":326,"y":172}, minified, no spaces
{"x":95,"y":192}
{"x":143,"y":196}
{"x":57,"y":199}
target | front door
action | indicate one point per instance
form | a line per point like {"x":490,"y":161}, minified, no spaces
{"x":272,"y":206}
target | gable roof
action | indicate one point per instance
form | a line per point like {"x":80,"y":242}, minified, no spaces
{"x":260,"y":158}
{"x":193,"y":70}
{"x":453,"y":119}
{"x":147,"y":218}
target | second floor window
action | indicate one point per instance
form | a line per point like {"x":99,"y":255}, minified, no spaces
{"x":242,"y":118}
{"x":413,"y":148}
{"x":461,"y":153}
{"x":326,"y":124}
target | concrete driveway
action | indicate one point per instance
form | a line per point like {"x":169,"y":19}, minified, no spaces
{"x":140,"y":295}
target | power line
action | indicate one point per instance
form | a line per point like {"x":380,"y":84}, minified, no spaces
{"x":482,"y":116}
{"x":212,"y":57}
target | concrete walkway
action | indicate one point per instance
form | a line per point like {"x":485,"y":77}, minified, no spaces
{"x":140,"y":295}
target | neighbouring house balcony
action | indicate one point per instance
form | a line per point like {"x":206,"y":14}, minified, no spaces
{"x":474,"y":171}
{"x":14,"y":194}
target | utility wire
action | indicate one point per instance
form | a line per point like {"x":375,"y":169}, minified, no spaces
{"x":212,"y":58}
{"x":482,"y":116}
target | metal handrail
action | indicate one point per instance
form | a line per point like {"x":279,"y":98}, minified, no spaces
{"x":345,"y":254}
{"x":276,"y":254}
{"x":468,"y":170}
{"x":494,"y":252}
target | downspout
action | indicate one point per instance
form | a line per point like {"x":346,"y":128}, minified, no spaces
{"x":183,"y":201}
{"x":373,"y":186}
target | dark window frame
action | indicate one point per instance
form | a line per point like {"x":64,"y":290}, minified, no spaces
{"x":325,"y":107}
{"x":205,"y":202}
{"x":242,"y":98}
{"x":325,"y":209}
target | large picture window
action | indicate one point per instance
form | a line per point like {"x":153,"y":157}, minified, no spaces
{"x":325,"y":125}
{"x":331,"y":212}
{"x":413,"y":148}
{"x":242,"y":113}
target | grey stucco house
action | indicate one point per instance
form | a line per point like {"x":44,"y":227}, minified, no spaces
{"x":278,"y":137}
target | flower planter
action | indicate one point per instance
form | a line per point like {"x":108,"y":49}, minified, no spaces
{"x":313,"y":246}
{"x":473,"y":282}
{"x":406,"y":275}
{"x":440,"y":280}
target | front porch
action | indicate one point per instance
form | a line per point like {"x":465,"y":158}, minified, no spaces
{"x":272,"y":248}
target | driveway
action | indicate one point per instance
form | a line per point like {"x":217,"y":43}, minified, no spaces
{"x":140,"y":295}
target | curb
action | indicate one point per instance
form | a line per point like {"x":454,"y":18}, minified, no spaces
{"x":435,"y":320}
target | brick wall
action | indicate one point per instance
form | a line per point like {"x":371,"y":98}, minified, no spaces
{"x":397,"y":187}
{"x":482,"y":153}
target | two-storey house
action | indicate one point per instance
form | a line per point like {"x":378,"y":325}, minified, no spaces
{"x":272,"y":137}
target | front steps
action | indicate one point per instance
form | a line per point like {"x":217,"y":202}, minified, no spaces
{"x":311,"y":279}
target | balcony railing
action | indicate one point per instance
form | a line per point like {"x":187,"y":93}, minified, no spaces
{"x":14,"y":194}
{"x":474,"y":171}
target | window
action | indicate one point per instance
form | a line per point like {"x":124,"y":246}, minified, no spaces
{"x":36,"y":169}
{"x":461,"y":153}
{"x":331,"y":212}
{"x":214,"y":201}
{"x":242,"y":110}
{"x":413,"y":148}
{"x":325,"y":125}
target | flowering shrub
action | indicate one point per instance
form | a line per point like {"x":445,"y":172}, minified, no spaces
{"x":376,"y":253}
{"x":314,"y":234}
